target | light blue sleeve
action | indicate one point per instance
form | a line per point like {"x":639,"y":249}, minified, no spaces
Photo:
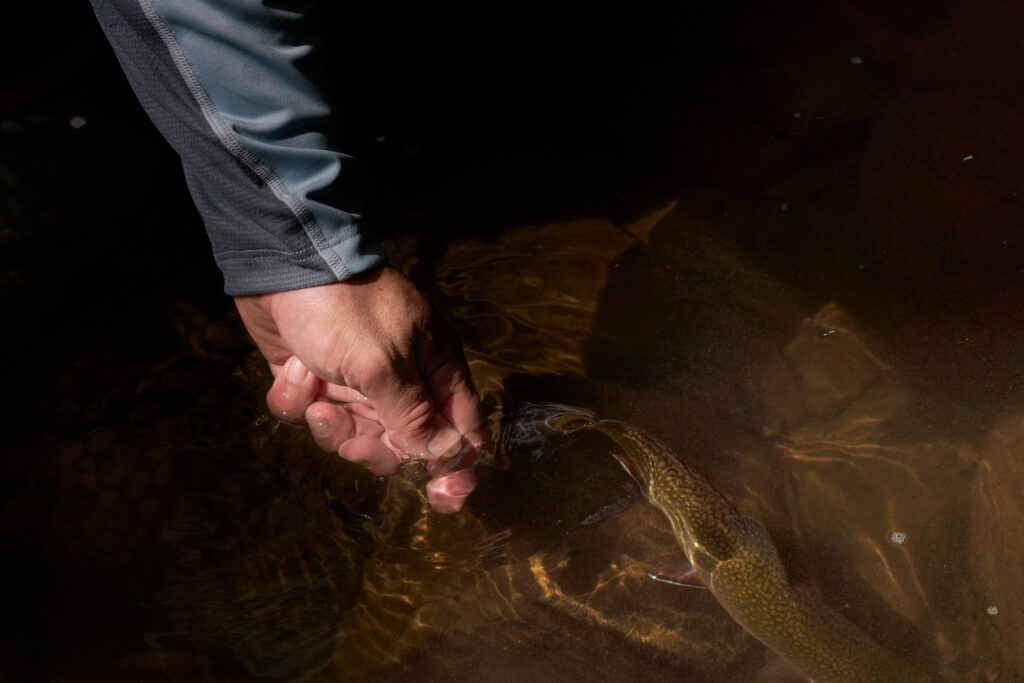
{"x":236,"y":86}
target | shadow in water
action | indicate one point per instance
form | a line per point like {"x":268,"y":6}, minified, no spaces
{"x":792,"y":256}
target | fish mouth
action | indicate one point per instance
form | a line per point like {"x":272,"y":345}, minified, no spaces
{"x":555,"y":416}
{"x":570,"y":422}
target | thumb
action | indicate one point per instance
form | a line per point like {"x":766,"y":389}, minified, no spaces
{"x":408,"y":414}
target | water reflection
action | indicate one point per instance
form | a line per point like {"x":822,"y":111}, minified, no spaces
{"x":829,"y":328}
{"x":996,"y":543}
{"x":800,"y":419}
{"x":255,"y":555}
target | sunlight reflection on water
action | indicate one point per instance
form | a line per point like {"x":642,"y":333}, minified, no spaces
{"x":300,"y":566}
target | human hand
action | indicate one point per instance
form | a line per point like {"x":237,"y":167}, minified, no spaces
{"x":376,"y":375}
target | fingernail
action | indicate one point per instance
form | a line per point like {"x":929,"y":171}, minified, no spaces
{"x":296,"y":373}
{"x":446,"y":444}
{"x":320,"y":427}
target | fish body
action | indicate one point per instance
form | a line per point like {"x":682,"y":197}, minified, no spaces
{"x":735,"y":558}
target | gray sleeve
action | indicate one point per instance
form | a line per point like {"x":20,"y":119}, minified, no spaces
{"x":232,"y":85}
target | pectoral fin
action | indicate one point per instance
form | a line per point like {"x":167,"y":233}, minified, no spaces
{"x":680,"y":574}
{"x":781,"y":670}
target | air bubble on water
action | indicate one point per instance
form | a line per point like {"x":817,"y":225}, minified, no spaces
{"x":992,"y":610}
{"x":897,"y":537}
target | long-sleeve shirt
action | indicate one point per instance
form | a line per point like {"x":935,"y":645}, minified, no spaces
{"x":236,"y":87}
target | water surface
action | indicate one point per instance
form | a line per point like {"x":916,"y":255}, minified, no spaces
{"x":794,"y":257}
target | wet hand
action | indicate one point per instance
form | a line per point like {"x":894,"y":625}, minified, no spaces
{"x":376,"y":375}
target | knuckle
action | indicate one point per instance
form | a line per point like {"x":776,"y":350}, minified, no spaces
{"x":365,"y":369}
{"x":412,"y":425}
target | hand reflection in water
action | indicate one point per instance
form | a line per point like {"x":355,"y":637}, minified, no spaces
{"x":376,"y":375}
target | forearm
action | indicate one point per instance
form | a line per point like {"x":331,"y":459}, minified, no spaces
{"x":234,"y":86}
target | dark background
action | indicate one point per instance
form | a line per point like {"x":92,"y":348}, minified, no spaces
{"x":487,"y":121}
{"x":468,"y":122}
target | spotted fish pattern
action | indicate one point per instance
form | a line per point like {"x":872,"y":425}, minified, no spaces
{"x":735,"y":558}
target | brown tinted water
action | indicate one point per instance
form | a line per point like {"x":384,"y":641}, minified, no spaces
{"x":794,"y":257}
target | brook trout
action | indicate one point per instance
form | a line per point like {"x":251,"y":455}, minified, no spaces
{"x":735,"y":558}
